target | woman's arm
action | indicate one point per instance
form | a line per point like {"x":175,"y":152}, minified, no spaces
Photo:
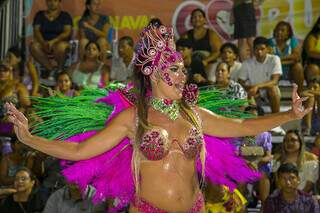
{"x":38,"y":36}
{"x":294,"y":57}
{"x":215,"y":43}
{"x":101,"y":142}
{"x":100,"y":33}
{"x":228,"y":127}
{"x":34,"y":77}
{"x":23,"y":96}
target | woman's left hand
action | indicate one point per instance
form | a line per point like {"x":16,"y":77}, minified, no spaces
{"x":298,"y":111}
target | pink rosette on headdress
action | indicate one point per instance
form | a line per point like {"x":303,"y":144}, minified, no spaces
{"x":156,"y":50}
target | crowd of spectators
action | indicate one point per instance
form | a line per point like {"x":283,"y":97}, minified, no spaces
{"x":30,"y":181}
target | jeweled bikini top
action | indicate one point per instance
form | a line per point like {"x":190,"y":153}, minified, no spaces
{"x":155,"y":144}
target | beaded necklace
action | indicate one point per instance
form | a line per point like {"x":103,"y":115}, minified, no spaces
{"x":168,"y":107}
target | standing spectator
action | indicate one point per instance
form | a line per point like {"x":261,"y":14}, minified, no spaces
{"x":205,"y":42}
{"x":311,"y":52}
{"x":90,"y":71}
{"x":195,"y":69}
{"x":293,"y":151}
{"x":121,"y":69}
{"x":260,"y":75}
{"x":288,"y":198}
{"x":94,"y":27}
{"x":245,"y":25}
{"x":25,"y":73}
{"x":286,"y":46}
{"x":64,"y":86}
{"x":52,"y":31}
{"x":69,"y":200}
{"x":26,"y":199}
{"x":229,"y":53}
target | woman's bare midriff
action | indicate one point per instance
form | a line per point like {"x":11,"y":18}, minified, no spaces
{"x":169,"y":184}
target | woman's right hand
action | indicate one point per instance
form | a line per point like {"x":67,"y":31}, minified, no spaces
{"x":20,"y":122}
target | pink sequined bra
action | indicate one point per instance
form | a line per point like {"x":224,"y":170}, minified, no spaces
{"x":155,"y":144}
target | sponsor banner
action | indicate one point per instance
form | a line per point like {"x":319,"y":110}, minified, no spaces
{"x":128,"y":17}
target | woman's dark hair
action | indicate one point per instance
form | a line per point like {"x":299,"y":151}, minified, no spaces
{"x":17,"y":52}
{"x":92,"y":42}
{"x":222,"y":62}
{"x":156,"y":22}
{"x":197,"y":10}
{"x":315,"y":30}
{"x":88,"y":44}
{"x":232,"y":46}
{"x":27,"y":170}
{"x":63,"y":73}
{"x":73,"y":85}
{"x":36,"y":185}
{"x":86,"y":12}
{"x":283,"y":23}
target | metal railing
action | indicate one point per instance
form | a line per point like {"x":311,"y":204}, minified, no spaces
{"x":11,"y":24}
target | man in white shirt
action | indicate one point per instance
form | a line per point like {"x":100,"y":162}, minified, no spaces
{"x":260,"y":75}
{"x":122,"y":68}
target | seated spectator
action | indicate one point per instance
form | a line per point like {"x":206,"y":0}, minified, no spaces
{"x":234,"y":90}
{"x":286,"y":46}
{"x":94,"y":27}
{"x":64,"y":86}
{"x":229,"y":54}
{"x":260,"y":75}
{"x":311,"y":120}
{"x":288,"y":198}
{"x":11,"y":162}
{"x":195,"y":68}
{"x":10,"y":91}
{"x":24,"y":73}
{"x":52,"y":31}
{"x":69,"y":199}
{"x":293,"y":151}
{"x":26,"y":199}
{"x":122,"y":68}
{"x":311,"y":52}
{"x":90,"y":71}
{"x":205,"y":42}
